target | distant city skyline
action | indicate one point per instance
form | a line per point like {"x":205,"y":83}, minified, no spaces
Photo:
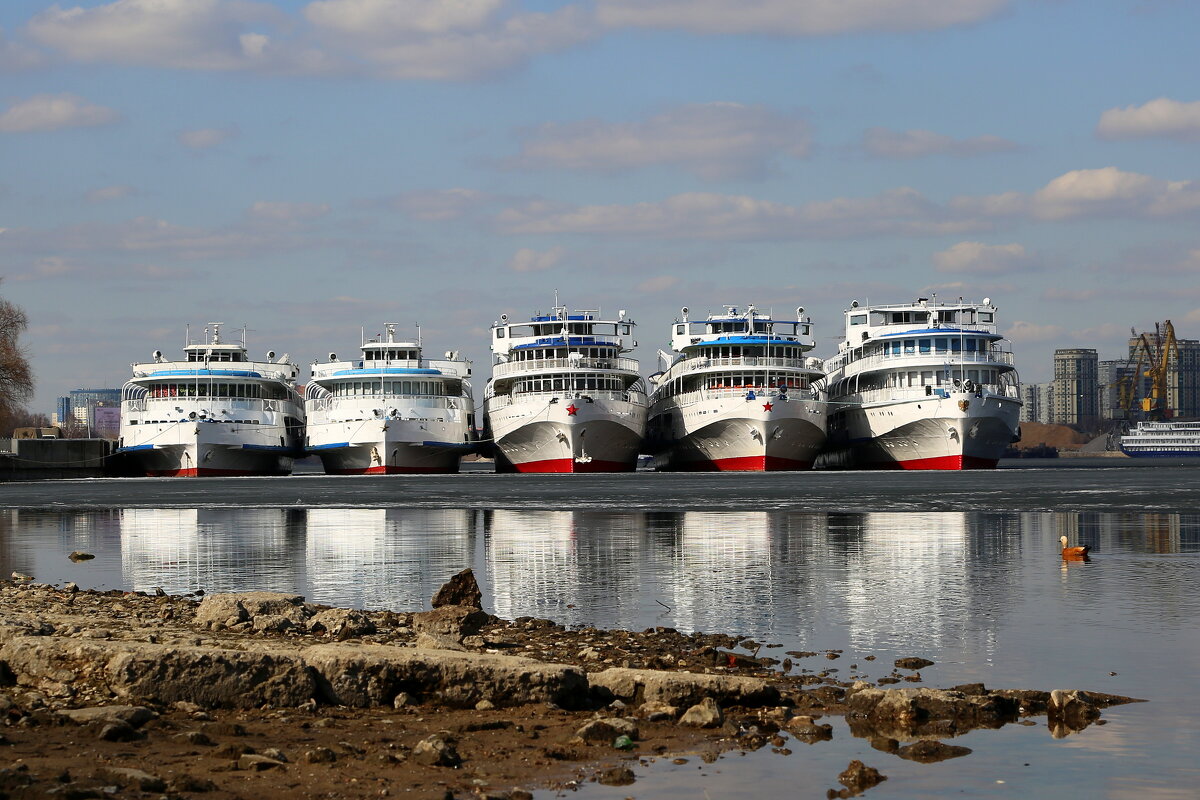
{"x":309,"y":168}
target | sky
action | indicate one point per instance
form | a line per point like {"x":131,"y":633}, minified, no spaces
{"x":308,"y":168}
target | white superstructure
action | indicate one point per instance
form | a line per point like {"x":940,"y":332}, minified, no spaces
{"x":1163,"y":439}
{"x":392,"y":411}
{"x":216,"y":412}
{"x":922,"y":385}
{"x":563,"y":397}
{"x":737,"y":395}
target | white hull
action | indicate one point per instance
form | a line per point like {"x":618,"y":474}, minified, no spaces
{"x":736,"y":434}
{"x":389,"y":446}
{"x":533,"y":434}
{"x":191,"y":449}
{"x":927,"y":433}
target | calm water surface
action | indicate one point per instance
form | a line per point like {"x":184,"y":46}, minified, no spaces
{"x":982,"y":593}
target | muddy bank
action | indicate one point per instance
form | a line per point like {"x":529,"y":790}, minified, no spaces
{"x":262,"y":694}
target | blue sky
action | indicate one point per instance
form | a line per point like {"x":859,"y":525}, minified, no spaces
{"x":308,"y":168}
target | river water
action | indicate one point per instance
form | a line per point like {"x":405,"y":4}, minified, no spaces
{"x":962,"y":568}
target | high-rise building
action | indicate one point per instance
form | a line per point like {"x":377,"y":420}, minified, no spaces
{"x":1037,"y":402}
{"x":1076,"y":388}
{"x":1118,"y":377}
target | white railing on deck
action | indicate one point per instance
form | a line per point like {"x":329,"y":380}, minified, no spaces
{"x":631,"y":396}
{"x":758,"y":362}
{"x":937,"y":359}
{"x":545,"y":364}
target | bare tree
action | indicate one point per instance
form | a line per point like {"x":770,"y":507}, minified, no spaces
{"x":16,"y":378}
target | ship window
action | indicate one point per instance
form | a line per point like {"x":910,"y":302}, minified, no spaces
{"x":970,"y":345}
{"x":985,"y":316}
{"x":927,"y":378}
{"x":406,"y":387}
{"x":558,"y":384}
{"x":910,"y":346}
{"x":924,"y":345}
{"x":858,"y":319}
{"x":940,"y":345}
{"x":895,"y":346}
{"x":500,"y":333}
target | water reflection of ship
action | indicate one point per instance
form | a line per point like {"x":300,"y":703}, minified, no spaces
{"x":215,"y":549}
{"x":386,"y":558}
{"x":931,"y":576}
{"x":566,"y":565}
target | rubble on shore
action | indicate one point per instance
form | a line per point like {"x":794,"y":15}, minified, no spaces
{"x":227,"y":696}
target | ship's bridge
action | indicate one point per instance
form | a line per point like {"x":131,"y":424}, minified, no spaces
{"x":925,"y":316}
{"x":545,"y":334}
{"x":737,"y":329}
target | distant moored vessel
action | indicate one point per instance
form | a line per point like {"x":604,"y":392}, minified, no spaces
{"x":214,"y":413}
{"x":563,"y":397}
{"x":392,"y":411}
{"x":1170,"y":439}
{"x":922,"y":385}
{"x":737,"y":395}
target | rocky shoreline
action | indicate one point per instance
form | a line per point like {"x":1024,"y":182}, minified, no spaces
{"x":121,"y":694}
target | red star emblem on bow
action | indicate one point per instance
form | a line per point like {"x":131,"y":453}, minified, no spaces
{"x":768,"y":406}
{"x":571,"y":409}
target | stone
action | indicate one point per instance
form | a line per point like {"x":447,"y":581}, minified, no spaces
{"x":275,"y":753}
{"x":133,"y":716}
{"x":456,"y":621}
{"x":341,"y":624}
{"x":605,"y":731}
{"x":461,"y":590}
{"x":658,"y":712}
{"x":705,"y":714}
{"x":858,"y":777}
{"x":617,"y":776}
{"x":319,"y":755}
{"x":403,"y":700}
{"x":198,"y":738}
{"x":436,"y":750}
{"x":681,"y":689}
{"x":435,"y":641}
{"x":913,"y":662}
{"x":132,"y":779}
{"x":245,"y":606}
{"x":928,"y":751}
{"x":257,"y":763}
{"x":79,"y":555}
{"x":910,"y":711}
{"x":485,"y":705}
{"x":272,"y":623}
{"x":370,"y":675}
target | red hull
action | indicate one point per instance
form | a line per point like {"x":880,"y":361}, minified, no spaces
{"x":940,"y":462}
{"x":746,"y":464}
{"x":382,"y":470}
{"x":564,"y":465}
{"x":206,"y":472}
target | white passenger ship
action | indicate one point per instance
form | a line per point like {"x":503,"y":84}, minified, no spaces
{"x":393,"y":411}
{"x":737,"y":395}
{"x":563,"y":398}
{"x":1170,"y":439}
{"x":922,"y":385}
{"x":214,"y":413}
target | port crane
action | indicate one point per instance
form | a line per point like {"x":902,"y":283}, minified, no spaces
{"x":1154,"y":354}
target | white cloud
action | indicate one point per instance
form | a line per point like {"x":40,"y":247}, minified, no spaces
{"x":790,"y":18}
{"x":444,"y":204}
{"x":977,"y":257}
{"x":108,"y":193}
{"x":1162,"y":117}
{"x":886,"y":143}
{"x":526,"y":260}
{"x":51,"y":112}
{"x":387,"y":19}
{"x":712,"y":140}
{"x":1032,"y":332}
{"x":659,"y":283}
{"x":715,"y":216}
{"x":205,"y":138}
{"x":177,"y":34}
{"x":1111,"y":192}
{"x":441,"y":39}
{"x":1089,"y":193}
